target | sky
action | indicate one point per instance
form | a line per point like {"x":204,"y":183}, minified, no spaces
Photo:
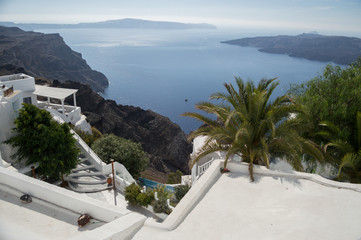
{"x":324,"y":16}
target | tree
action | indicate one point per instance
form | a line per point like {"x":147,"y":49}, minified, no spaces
{"x":333,"y":96}
{"x":346,"y":154}
{"x":42,"y":140}
{"x":248,"y":124}
{"x":124,"y":151}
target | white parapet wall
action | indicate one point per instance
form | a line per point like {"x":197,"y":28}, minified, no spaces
{"x":59,"y":196}
{"x":191,"y":199}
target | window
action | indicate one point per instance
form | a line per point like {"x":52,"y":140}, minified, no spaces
{"x":27,"y":100}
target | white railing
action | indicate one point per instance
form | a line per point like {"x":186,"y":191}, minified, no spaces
{"x":72,"y":114}
{"x":202,"y":168}
{"x":122,"y":176}
{"x":88,"y":152}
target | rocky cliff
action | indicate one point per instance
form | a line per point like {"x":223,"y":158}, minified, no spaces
{"x":337,"y":49}
{"x":162,"y":139}
{"x":47,"y":56}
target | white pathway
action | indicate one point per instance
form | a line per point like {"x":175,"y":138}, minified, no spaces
{"x":270,"y":208}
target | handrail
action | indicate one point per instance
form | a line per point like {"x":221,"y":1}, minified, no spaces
{"x":93,"y":156}
{"x":202,"y":168}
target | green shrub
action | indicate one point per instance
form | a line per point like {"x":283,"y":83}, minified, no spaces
{"x":131,"y":193}
{"x":145,"y":199}
{"x":161,"y":206}
{"x":134,"y":195}
{"x":162,"y":192}
{"x":89,"y":138}
{"x":180,"y":191}
{"x":175,"y":177}
{"x":124,"y":151}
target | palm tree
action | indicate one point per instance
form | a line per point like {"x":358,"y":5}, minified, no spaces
{"x":249,"y":125}
{"x":346,"y":154}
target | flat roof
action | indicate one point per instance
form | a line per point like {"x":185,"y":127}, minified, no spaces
{"x":52,"y":92}
{"x":269,"y":208}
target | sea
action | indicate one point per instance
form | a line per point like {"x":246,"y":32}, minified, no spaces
{"x":170,"y":71}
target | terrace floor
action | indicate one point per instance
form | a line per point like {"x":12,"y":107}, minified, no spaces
{"x":269,"y":208}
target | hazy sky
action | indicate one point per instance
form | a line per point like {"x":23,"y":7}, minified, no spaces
{"x":343,"y":16}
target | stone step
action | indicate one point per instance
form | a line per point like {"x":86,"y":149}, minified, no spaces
{"x":84,"y":174}
{"x":82,"y":159}
{"x":88,"y":188}
{"x":84,"y":167}
{"x":87,"y":180}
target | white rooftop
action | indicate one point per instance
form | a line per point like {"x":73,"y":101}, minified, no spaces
{"x":51,"y":92}
{"x":272,"y":207}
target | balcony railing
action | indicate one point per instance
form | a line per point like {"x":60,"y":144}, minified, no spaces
{"x":71,"y":114}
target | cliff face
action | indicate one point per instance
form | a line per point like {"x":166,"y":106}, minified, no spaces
{"x":47,"y":56}
{"x":338,"y":49}
{"x":162,"y":139}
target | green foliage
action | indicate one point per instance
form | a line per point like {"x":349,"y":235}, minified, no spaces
{"x":248,"y":124}
{"x":161,"y":206}
{"x":346,"y":155}
{"x":131,"y":193}
{"x":134,"y":195}
{"x":333,"y":96}
{"x":42,"y":140}
{"x":89,"y":138}
{"x":124,"y":151}
{"x":181,"y":191}
{"x":163,"y":192}
{"x":175,"y":177}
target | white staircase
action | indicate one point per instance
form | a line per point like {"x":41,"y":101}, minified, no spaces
{"x":86,"y":178}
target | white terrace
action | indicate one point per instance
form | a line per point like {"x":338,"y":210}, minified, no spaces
{"x":31,"y":92}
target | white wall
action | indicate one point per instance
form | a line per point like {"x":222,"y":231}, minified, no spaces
{"x":60,"y":196}
{"x":27,"y":84}
{"x":7,"y":117}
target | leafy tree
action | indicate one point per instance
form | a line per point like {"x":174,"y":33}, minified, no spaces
{"x":175,"y":177}
{"x":333,"y":96}
{"x":346,"y":154}
{"x":124,"y":151}
{"x":248,"y":124}
{"x":42,"y":140}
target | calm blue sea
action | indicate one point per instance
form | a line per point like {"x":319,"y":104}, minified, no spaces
{"x":159,"y":69}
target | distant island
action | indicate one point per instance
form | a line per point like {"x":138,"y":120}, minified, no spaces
{"x":337,"y":49}
{"x":120,"y":23}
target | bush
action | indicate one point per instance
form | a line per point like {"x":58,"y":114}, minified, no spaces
{"x":89,"y":138}
{"x":162,"y":192}
{"x":131,"y":193}
{"x":134,"y":195}
{"x":181,"y":191}
{"x":124,"y":151}
{"x":161,"y":206}
{"x":175,"y":177}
